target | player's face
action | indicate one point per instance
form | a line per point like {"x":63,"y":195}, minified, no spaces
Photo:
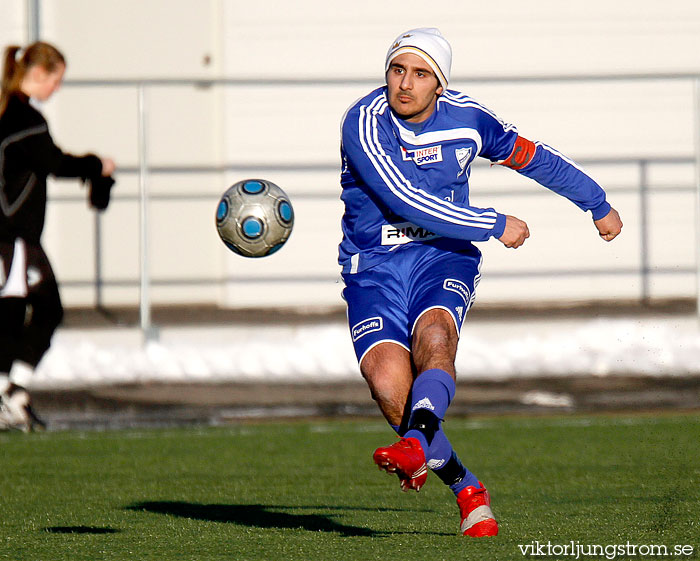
{"x":44,"y":83}
{"x":412,"y":88}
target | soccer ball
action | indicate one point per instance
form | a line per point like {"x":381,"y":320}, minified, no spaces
{"x":254,"y":217}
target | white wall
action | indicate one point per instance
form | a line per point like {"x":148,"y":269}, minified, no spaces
{"x":250,"y":128}
{"x":13,"y":23}
{"x":321,"y":38}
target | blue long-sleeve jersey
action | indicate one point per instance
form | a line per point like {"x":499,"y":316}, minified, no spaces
{"x":404,"y":185}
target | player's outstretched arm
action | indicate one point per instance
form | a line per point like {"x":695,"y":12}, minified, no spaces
{"x":515,"y":233}
{"x":609,"y":226}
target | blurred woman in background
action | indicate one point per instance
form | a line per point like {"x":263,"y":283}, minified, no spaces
{"x":30,"y":305}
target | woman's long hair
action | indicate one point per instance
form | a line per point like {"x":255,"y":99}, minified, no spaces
{"x":14,"y":68}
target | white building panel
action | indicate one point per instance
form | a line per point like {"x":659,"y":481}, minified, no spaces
{"x":281,"y":121}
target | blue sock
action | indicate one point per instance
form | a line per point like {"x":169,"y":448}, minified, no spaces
{"x":434,"y":390}
{"x":431,"y":395}
{"x":447,"y":465}
{"x":439,"y":451}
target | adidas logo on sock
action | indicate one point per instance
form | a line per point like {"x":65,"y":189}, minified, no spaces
{"x":424,"y":404}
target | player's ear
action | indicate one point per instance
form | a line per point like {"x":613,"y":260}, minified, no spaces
{"x":439,"y":90}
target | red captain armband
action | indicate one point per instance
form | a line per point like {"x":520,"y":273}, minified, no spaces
{"x":522,"y":154}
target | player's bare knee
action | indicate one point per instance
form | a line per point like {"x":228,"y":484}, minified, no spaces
{"x":435,"y":338}
{"x":385,"y":382}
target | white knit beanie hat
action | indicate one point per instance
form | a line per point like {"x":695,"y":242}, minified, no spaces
{"x":429,"y":44}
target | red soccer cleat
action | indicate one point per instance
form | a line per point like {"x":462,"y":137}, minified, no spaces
{"x":475,"y":507}
{"x":405,"y":458}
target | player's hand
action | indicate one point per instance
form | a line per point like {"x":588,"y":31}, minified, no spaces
{"x":108,"y":166}
{"x":609,"y":226}
{"x":515,"y":233}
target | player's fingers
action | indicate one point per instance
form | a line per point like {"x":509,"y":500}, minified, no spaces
{"x":610,"y":235}
{"x":525,"y":235}
{"x":518,"y":242}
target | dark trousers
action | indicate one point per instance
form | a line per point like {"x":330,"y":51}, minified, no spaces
{"x":28,"y":323}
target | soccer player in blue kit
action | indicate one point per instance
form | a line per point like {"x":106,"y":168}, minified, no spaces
{"x":409,"y":265}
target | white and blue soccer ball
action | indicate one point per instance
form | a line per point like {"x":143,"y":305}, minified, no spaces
{"x":254,"y":217}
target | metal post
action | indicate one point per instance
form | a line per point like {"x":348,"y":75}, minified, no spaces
{"x":99,"y":281}
{"x":33,"y":20}
{"x":644,"y":230}
{"x":696,"y":137}
{"x":99,"y":273}
{"x":147,"y":329}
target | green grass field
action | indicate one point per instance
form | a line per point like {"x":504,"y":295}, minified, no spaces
{"x":309,"y":491}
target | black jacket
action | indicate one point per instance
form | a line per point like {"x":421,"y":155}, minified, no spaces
{"x":27,"y":156}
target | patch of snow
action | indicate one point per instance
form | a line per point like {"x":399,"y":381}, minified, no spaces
{"x":489,"y":350}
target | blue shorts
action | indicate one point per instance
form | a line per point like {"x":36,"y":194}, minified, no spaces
{"x":385,"y":302}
